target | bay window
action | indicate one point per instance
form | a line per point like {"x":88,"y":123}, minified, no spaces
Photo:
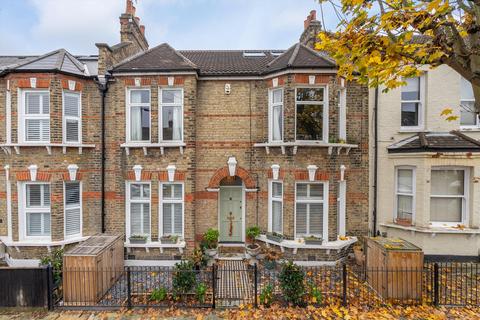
{"x":171,"y":208}
{"x":468,"y":115}
{"x":138,"y":115}
{"x":37,"y":209}
{"x":275,"y":216}
{"x":404,"y":195}
{"x":171,"y":115}
{"x":311,"y":114}
{"x":276,"y":115}
{"x":311,"y":202}
{"x":72,"y":126}
{"x":412,"y":103}
{"x":35,"y":117}
{"x":138,"y":202}
{"x":448,"y":196}
{"x":73,"y":209}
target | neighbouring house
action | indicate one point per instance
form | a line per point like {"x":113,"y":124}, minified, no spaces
{"x":428,"y":168}
{"x":174,"y":142}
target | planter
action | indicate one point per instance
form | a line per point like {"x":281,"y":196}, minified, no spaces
{"x":253,"y":249}
{"x":274,"y":237}
{"x":211,"y":252}
{"x":314,"y":241}
{"x":137,"y":241}
{"x":168,"y":241}
{"x":403,"y":222}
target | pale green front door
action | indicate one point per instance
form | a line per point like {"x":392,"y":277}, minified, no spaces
{"x":231,"y":224}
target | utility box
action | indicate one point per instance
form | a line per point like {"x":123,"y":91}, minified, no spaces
{"x":91,"y":268}
{"x":394,"y":268}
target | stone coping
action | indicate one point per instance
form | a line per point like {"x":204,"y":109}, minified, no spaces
{"x":156,"y":244}
{"x":432,"y":230}
{"x":32,"y":243}
{"x":295,"y":244}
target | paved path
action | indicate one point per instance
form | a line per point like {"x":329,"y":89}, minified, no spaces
{"x":234,"y":283}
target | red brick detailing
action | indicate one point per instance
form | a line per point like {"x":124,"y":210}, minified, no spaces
{"x":178,"y":81}
{"x":3,"y":195}
{"x":189,"y":197}
{"x":303,"y":175}
{"x":25,"y":176}
{"x":319,"y":78}
{"x":66,"y":176}
{"x":281,"y":81}
{"x":146,"y":175}
{"x":206,"y":195}
{"x":281,"y":174}
{"x":223,"y":172}
{"x":143,"y":81}
{"x":112,"y":195}
{"x":91,"y":195}
{"x":25,"y":83}
{"x":179,"y":176}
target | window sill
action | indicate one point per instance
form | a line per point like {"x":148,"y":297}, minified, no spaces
{"x":412,"y":130}
{"x":40,"y":243}
{"x":433,"y":230}
{"x":156,"y":244}
{"x":146,"y":145}
{"x":299,"y":244}
{"x":308,"y":144}
{"x":7,"y":147}
{"x":470,"y":129}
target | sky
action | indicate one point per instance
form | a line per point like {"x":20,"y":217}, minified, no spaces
{"x":39,"y":26}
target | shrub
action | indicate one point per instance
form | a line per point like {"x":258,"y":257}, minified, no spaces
{"x":315,"y":293}
{"x":183,"y":277}
{"x":292,"y":283}
{"x":55,"y":259}
{"x":211,"y":238}
{"x":198,"y":258}
{"x":159,"y":294}
{"x":252,"y":233}
{"x":266,"y":296}
{"x":201,"y":291}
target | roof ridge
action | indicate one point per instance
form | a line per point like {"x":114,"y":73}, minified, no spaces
{"x":271,"y":62}
{"x":423,"y":139}
{"x":317,"y":53}
{"x":48,"y":54}
{"x":464,"y":136}
{"x":193,"y":65}
{"x":136,"y":55}
{"x":294,"y":55}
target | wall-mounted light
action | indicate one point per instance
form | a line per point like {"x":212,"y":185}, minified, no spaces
{"x":312,"y":169}
{"x":232,"y":166}
{"x":171,"y":172}
{"x":72,"y":171}
{"x":170,"y":81}
{"x":137,"y":169}
{"x":275,"y":171}
{"x":33,"y":172}
{"x":342,"y":172}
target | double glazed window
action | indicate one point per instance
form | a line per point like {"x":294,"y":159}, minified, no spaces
{"x":36,"y":116}
{"x":311,"y":114}
{"x":73,"y":209}
{"x":275,"y":223}
{"x":171,"y":202}
{"x":276,"y":115}
{"x":468,"y":116}
{"x":138,"y":108}
{"x":412,"y":103}
{"x":309,"y":209}
{"x":37,"y":209}
{"x":405,"y":194}
{"x":139,"y":205}
{"x":72,"y":117}
{"x":448,"y":196}
{"x":171,"y":114}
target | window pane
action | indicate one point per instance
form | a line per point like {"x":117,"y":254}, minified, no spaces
{"x":172,"y":123}
{"x":177,"y":216}
{"x":410,"y":114}
{"x":146,"y":218}
{"x":411,"y":91}
{"x":72,"y":130}
{"x":136,"y":218}
{"x":135,"y":191}
{"x":72,"y":221}
{"x":167,"y":218}
{"x":302,"y":190}
{"x":146,"y":191}
{"x":405,"y":180}
{"x":276,"y":216}
{"x":71,"y":104}
{"x":310,"y":94}
{"x":301,"y":218}
{"x":140,"y":123}
{"x":316,"y":218}
{"x":277,"y":123}
{"x":46,"y":194}
{"x":468,"y":116}
{"x":316,"y":191}
{"x":447,"y":182}
{"x":172,"y":96}
{"x":34,"y":224}
{"x":37,"y":129}
{"x":177,"y":191}
{"x":446,"y":209}
{"x":277,"y":96}
{"x":466,"y":90}
{"x":309,"y":122}
{"x":139,"y":96}
{"x":33,"y":103}
{"x":277,"y":189}
{"x":405,"y":207}
{"x":46,"y":223}
{"x":72,"y":194}
{"x":34,"y":195}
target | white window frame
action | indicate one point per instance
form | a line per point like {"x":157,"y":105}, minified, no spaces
{"x":23,"y":211}
{"x":342,"y":114}
{"x":160,"y":113}
{"x":66,"y":117}
{"x":421,"y":107}
{"x":325,"y":210}
{"x":465,"y":197}
{"x":397,"y":193}
{"x":23,"y":117}
{"x":325,"y":113}
{"x":271,"y":199}
{"x":128,"y":207}
{"x":271,"y":106}
{"x":80,"y":206}
{"x":162,"y":201}
{"x":462,"y":100}
{"x":129,"y":111}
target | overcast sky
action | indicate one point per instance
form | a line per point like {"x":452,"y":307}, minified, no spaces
{"x":39,"y":26}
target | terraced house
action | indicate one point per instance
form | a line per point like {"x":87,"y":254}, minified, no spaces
{"x":157,"y":142}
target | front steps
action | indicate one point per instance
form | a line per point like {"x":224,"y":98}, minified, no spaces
{"x":231,"y":252}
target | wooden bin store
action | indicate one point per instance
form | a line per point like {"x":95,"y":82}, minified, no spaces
{"x":395,"y":268}
{"x":91,"y":268}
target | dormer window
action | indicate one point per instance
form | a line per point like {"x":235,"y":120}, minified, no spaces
{"x":35,"y":117}
{"x":276,"y":115}
{"x":138,"y":115}
{"x":311,"y":114}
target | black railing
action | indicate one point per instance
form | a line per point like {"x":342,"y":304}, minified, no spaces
{"x":451,"y":284}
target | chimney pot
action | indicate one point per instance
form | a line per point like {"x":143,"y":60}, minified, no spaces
{"x":130,"y":8}
{"x":313,"y":15}
{"x":142,"y":29}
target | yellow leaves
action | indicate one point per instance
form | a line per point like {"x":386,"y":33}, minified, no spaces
{"x":448,"y":114}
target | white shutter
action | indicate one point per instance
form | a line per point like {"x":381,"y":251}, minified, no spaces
{"x":71,"y":114}
{"x":316,"y":218}
{"x":167,"y":218}
{"x":72,"y":130}
{"x":33,"y":103}
{"x":34,"y":224}
{"x":72,"y":221}
{"x":71,"y":104}
{"x":135,"y":218}
{"x":177,"y":219}
{"x":301,"y":219}
{"x":146,"y":218}
{"x":45,"y":102}
{"x":73,"y":214}
{"x":34,"y":195}
{"x":277,"y":216}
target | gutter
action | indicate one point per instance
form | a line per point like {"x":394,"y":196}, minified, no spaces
{"x":375,"y":163}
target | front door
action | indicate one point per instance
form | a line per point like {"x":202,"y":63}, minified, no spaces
{"x":231,"y":224}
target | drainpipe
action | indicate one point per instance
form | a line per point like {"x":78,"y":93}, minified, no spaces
{"x":375,"y":162}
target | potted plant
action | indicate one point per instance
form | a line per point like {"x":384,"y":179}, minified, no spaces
{"x":138,"y":238}
{"x":211,"y":241}
{"x":169,"y":239}
{"x":277,"y":237}
{"x":253,"y":249}
{"x":271,"y":258}
{"x":313,"y":240}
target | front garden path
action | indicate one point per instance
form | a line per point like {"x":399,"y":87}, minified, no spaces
{"x":235,"y":283}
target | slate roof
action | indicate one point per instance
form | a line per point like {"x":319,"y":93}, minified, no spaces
{"x":224,"y":62}
{"x":453,"y":141}
{"x":59,"y":60}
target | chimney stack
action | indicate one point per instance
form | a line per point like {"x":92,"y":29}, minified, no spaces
{"x":312,"y":28}
{"x":130,"y":28}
